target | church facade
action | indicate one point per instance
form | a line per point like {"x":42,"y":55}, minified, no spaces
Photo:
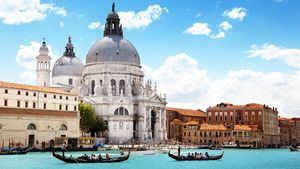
{"x":113,"y":82}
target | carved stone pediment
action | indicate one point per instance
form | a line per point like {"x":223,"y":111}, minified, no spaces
{"x":156,"y":99}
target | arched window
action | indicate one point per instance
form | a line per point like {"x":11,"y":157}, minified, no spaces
{"x":113,"y":86}
{"x":31,"y":126}
{"x":121,"y":111}
{"x":63,"y":127}
{"x":122,"y":87}
{"x":93,"y":87}
{"x":116,"y":112}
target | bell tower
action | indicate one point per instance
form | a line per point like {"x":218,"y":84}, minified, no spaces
{"x":43,"y":66}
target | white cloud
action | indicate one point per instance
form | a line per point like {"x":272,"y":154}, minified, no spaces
{"x":189,"y":86}
{"x":15,"y":12}
{"x":220,"y":35}
{"x":94,"y":25}
{"x":236,"y":13}
{"x":179,"y":77}
{"x":28,"y":77}
{"x":61,"y":24}
{"x":26,"y":58}
{"x":198,"y":29}
{"x":225,"y":26}
{"x":132,"y":20}
{"x":271,"y":51}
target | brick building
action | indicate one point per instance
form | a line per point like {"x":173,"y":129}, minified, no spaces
{"x":176,"y":118}
{"x":259,"y":118}
{"x":287,"y":131}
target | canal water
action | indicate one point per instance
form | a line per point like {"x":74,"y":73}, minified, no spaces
{"x":232,"y":159}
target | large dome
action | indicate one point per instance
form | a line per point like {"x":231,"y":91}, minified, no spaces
{"x":113,"y":48}
{"x":68,"y":64}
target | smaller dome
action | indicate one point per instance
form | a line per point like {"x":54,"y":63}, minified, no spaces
{"x":44,"y":49}
{"x":68,"y":66}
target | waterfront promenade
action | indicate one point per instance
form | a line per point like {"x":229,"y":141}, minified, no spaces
{"x":233,"y":159}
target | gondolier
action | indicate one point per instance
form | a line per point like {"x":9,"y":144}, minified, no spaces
{"x":179,"y":150}
{"x":63,"y":149}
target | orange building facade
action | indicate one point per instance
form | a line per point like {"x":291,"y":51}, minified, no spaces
{"x":250,"y":125}
{"x":176,"y":118}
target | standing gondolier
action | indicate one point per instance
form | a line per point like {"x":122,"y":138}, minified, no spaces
{"x":179,"y":149}
{"x":63,"y":149}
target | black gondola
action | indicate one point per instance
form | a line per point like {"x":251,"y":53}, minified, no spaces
{"x":203,"y":158}
{"x":86,"y":160}
{"x":292,"y":148}
{"x":16,"y":151}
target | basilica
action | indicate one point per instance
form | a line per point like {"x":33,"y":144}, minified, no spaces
{"x":111,"y":81}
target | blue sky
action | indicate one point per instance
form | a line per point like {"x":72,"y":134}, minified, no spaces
{"x":262,"y":42}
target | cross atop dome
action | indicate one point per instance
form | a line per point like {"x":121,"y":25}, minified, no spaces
{"x":112,"y":25}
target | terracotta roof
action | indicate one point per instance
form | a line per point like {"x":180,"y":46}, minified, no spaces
{"x":254,"y":105}
{"x":295,"y":119}
{"x":190,"y":123}
{"x":32,"y":88}
{"x":242,"y":127}
{"x":206,"y":127}
{"x":176,"y":121}
{"x":283,"y":119}
{"x":188,"y":112}
{"x":37,"y":112}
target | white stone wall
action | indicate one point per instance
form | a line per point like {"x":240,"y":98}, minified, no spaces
{"x":14,"y":127}
{"x":64,"y":80}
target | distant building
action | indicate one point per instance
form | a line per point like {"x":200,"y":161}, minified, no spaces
{"x":297,"y":129}
{"x":33,"y":115}
{"x":287,"y":131}
{"x":256,"y":117}
{"x":177,"y":118}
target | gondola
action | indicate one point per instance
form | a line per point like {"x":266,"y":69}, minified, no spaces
{"x":293,"y":148}
{"x":183,"y":158}
{"x":85,"y":160}
{"x":16,"y":151}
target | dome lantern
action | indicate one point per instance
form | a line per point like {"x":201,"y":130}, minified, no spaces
{"x":112,"y":25}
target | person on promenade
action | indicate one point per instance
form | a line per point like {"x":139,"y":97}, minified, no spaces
{"x":179,"y":149}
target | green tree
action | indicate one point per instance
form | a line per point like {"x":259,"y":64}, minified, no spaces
{"x":89,"y":121}
{"x":98,"y":126}
{"x":87,"y":117}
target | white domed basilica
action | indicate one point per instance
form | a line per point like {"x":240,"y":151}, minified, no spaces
{"x":112,"y":81}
